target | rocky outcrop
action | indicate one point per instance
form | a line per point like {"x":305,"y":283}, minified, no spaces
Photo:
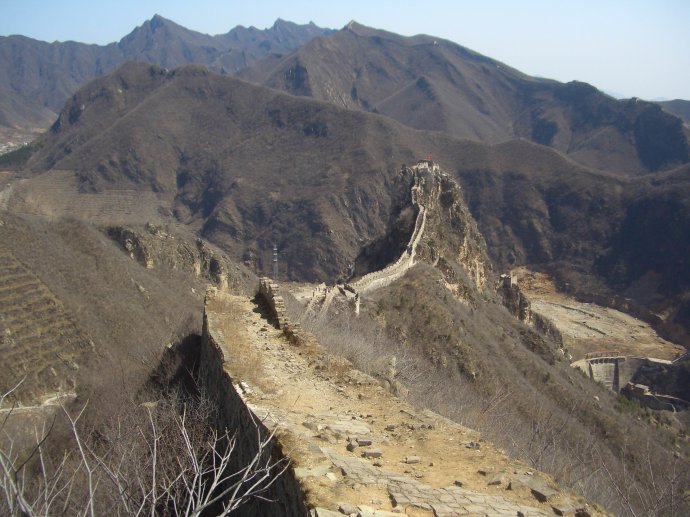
{"x":451,"y":232}
{"x":154,"y":246}
{"x":444,"y":230}
{"x":520,"y":307}
{"x":132,"y":244}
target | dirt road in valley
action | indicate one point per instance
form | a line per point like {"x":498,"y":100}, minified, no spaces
{"x":587,"y":327}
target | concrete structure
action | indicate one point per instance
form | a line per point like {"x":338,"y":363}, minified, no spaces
{"x":610,"y":368}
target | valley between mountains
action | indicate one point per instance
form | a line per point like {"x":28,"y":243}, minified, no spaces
{"x":445,"y":236}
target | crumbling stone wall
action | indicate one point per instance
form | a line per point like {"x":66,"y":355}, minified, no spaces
{"x":285,"y":497}
{"x":270,"y":292}
{"x":520,"y":307}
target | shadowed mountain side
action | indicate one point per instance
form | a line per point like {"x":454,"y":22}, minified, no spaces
{"x":37,"y":77}
{"x":86,"y":289}
{"x":429,"y":83}
{"x":126,"y":313}
{"x":614,"y":241}
{"x":249,"y":167}
{"x":679,"y":107}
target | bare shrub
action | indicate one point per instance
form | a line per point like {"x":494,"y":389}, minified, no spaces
{"x":159,"y":458}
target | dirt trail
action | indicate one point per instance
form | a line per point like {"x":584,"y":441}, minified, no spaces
{"x":319,"y":402}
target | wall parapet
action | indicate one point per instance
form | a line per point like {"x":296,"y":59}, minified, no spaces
{"x":284,"y":498}
{"x":270,"y":292}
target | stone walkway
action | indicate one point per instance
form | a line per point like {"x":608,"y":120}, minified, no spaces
{"x":405,"y":491}
{"x":356,"y":449}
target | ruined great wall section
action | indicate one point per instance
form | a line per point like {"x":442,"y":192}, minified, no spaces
{"x":438,"y":202}
{"x":388,"y":275}
{"x":353,"y":448}
{"x":235,"y":415}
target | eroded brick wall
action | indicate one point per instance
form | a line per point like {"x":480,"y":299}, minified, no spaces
{"x":285,"y":497}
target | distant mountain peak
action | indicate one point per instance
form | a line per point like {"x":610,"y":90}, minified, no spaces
{"x":158,"y":21}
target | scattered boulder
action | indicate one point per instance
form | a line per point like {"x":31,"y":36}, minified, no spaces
{"x":347,"y":508}
{"x":541,"y":491}
{"x":497,"y":479}
{"x":372,"y":453}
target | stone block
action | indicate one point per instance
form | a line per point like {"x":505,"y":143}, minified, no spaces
{"x":497,"y":479}
{"x":542,"y":492}
{"x":398,"y":498}
{"x":443,"y":510}
{"x":563,"y":509}
{"x":347,"y":508}
{"x":319,"y":470}
{"x":410,"y":460}
{"x":515,"y":484}
{"x":372,"y":453}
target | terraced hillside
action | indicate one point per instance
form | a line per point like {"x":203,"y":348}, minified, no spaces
{"x":56,"y":195}
{"x":39,"y":339}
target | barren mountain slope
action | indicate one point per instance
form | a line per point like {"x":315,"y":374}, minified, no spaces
{"x":249,"y":167}
{"x":74,"y":303}
{"x":679,"y":107}
{"x":439,"y":335}
{"x":429,"y":83}
{"x":36,"y":77}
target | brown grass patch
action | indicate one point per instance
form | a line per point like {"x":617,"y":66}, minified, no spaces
{"x":242,"y":359}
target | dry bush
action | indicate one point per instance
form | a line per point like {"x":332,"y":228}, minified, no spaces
{"x":157,"y":458}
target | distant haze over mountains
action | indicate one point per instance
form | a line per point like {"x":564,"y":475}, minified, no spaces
{"x":37,"y":77}
{"x":421,"y":81}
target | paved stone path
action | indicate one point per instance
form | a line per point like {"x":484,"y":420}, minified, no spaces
{"x":447,"y":501}
{"x":355,"y":447}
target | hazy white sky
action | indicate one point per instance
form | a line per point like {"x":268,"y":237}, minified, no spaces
{"x":627,"y":47}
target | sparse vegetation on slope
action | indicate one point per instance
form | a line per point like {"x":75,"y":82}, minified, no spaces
{"x":428,"y":83}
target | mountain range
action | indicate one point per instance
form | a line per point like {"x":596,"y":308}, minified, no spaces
{"x":429,"y":83}
{"x":37,"y":77}
{"x":422,"y":81}
{"x":246,"y":166}
{"x":173,"y":159}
